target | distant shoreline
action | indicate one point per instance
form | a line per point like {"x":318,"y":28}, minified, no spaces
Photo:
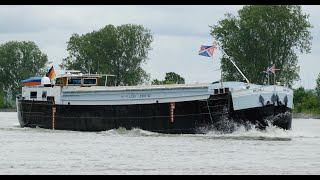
{"x":294,"y":115}
{"x":305,"y":116}
{"x":8,"y":110}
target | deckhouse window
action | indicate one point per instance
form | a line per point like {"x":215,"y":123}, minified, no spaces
{"x":50,"y":98}
{"x":89,"y":81}
{"x":74,"y":81}
{"x":33,"y":94}
{"x":44,"y":94}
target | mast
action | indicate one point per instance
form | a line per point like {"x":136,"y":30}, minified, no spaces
{"x":274,"y":78}
{"x":234,"y":64}
{"x":268,"y":76}
{"x":221,"y":78}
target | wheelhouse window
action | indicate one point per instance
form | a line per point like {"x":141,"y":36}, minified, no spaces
{"x":90,"y":81}
{"x":33,"y":95}
{"x":58,"y":81}
{"x":74,"y":81}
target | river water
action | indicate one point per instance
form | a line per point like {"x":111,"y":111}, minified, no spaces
{"x":274,"y":151}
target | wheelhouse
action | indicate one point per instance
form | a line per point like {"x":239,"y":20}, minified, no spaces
{"x":83,"y":80}
{"x":75,"y":78}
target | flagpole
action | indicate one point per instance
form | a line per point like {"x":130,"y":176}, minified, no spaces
{"x":220,"y":75}
{"x":274,"y":78}
{"x":268,"y":77}
{"x":221,"y":78}
{"x":234,"y":64}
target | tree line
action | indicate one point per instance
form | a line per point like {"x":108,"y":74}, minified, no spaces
{"x":257,"y":37}
{"x":307,"y":100}
{"x":118,"y":50}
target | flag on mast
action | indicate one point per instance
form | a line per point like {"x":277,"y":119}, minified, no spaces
{"x":51,"y":74}
{"x":270,"y":69}
{"x":206,"y":50}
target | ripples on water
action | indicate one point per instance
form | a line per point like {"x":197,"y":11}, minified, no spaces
{"x":121,"y":151}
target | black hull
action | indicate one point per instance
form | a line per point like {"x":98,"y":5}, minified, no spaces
{"x":189,"y":117}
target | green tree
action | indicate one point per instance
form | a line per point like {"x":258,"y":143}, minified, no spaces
{"x":156,"y":82}
{"x":119,"y":50}
{"x":3,"y":103}
{"x":264,"y":35}
{"x":298,"y":95}
{"x":318,"y":87}
{"x":305,"y":101}
{"x":309,"y":101}
{"x":19,"y":61}
{"x":170,"y":78}
{"x":174,"y":78}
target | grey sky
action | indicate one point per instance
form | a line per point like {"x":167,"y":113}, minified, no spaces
{"x":179,"y":31}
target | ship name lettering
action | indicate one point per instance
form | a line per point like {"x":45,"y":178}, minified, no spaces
{"x":132,"y":96}
{"x":144,"y":95}
{"x":136,"y":96}
{"x":286,"y":90}
{"x":257,"y":90}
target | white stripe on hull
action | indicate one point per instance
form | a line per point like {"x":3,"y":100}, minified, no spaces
{"x":135,"y":101}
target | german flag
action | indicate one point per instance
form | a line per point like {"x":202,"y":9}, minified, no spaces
{"x":51,"y":74}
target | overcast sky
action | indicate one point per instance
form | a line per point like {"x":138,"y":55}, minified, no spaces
{"x":178,"y":31}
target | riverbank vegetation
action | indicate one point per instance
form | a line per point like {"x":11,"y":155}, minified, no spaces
{"x":273,"y":31}
{"x":307,"y":100}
